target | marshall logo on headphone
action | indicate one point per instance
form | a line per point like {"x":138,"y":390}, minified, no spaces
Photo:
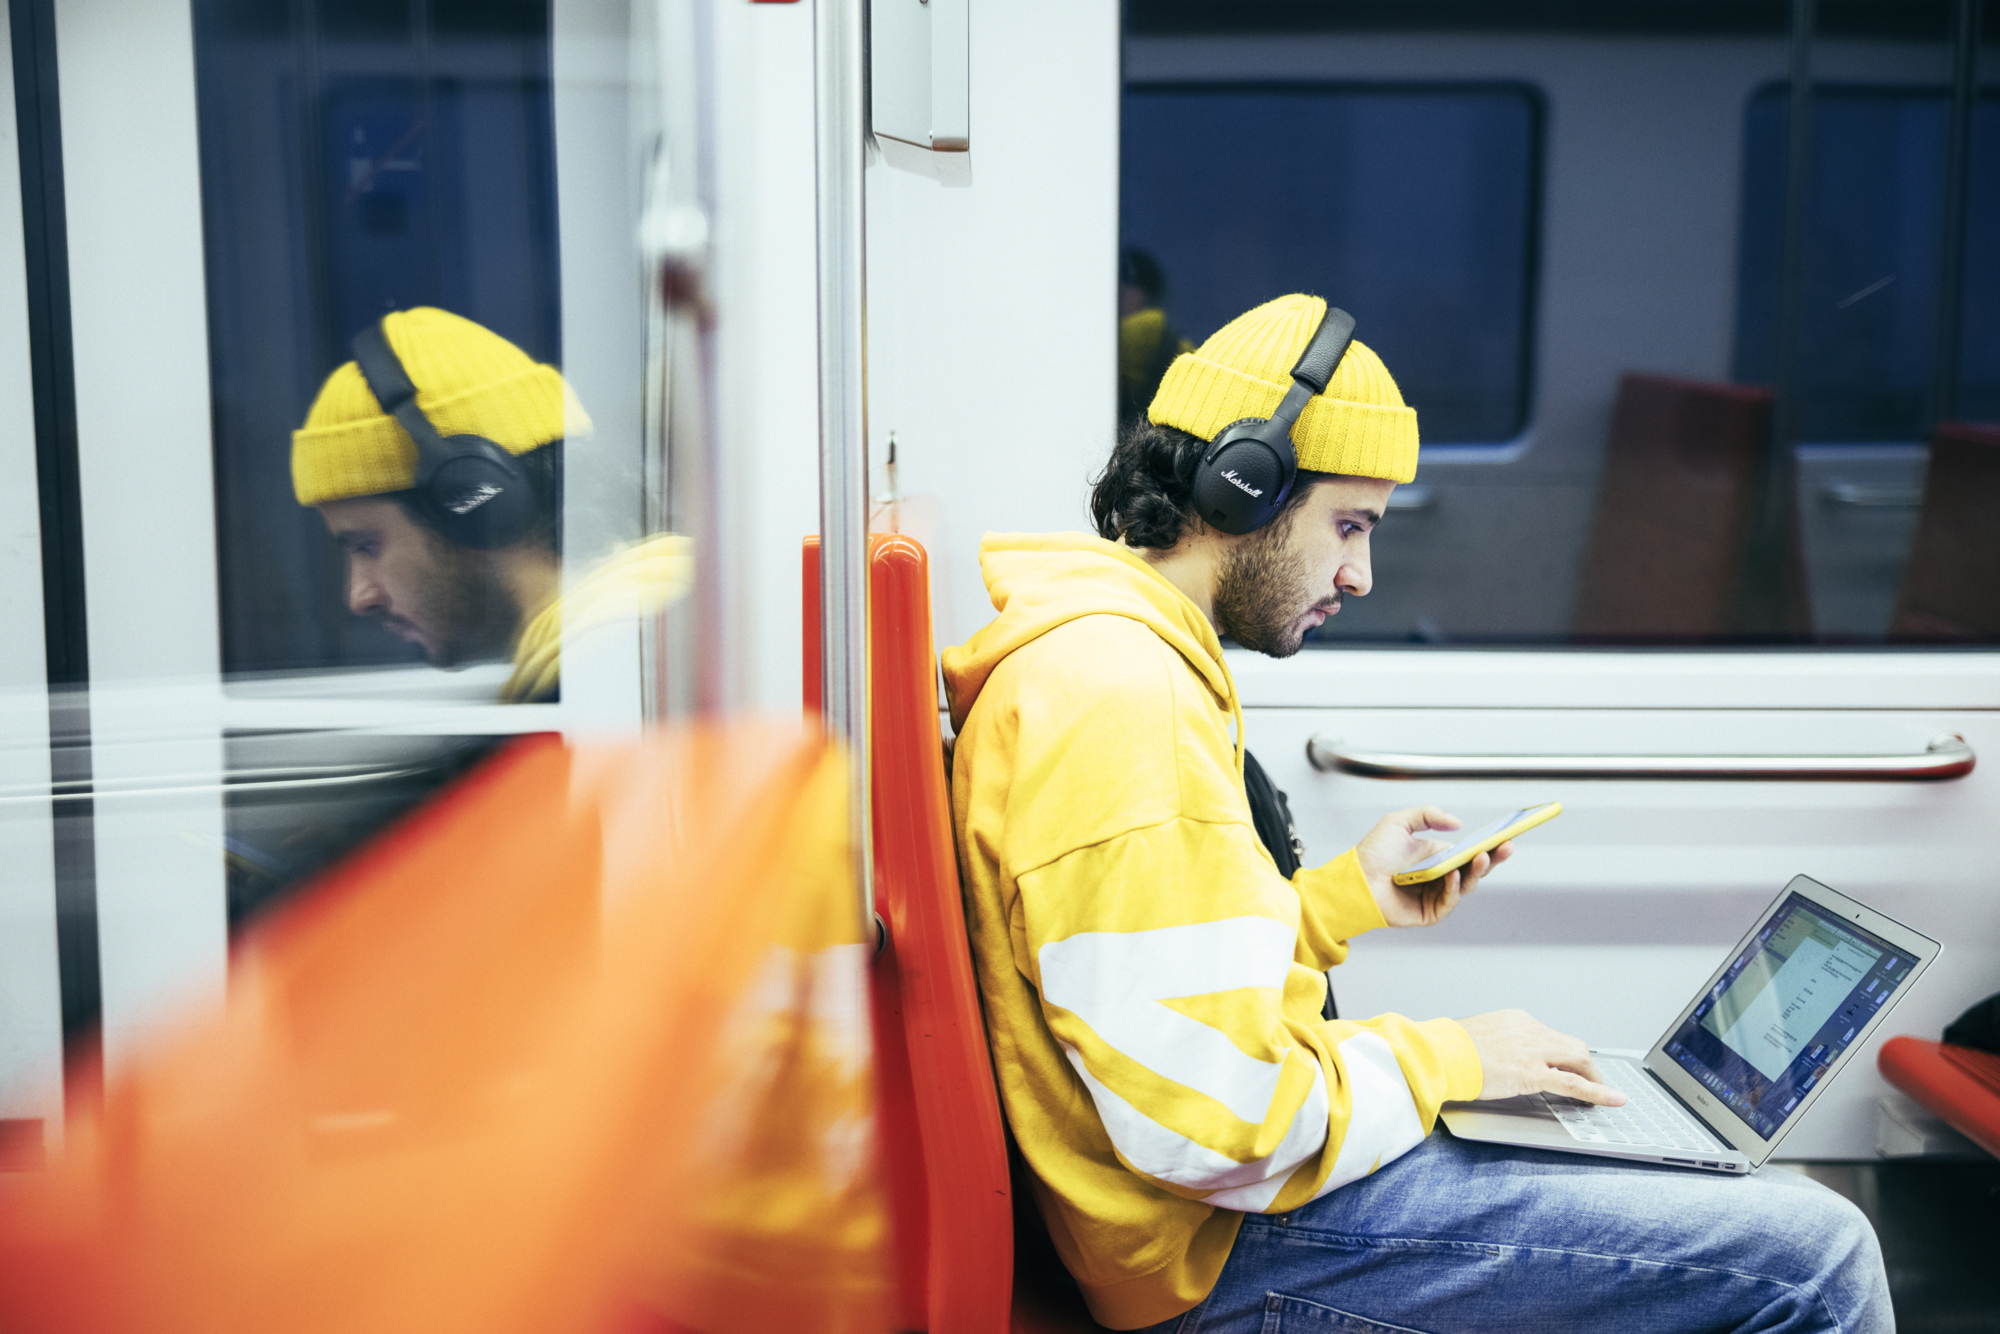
{"x":1241,"y":485}
{"x":472,"y":499}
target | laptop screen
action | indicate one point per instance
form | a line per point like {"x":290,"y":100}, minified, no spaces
{"x":1785,"y":1009}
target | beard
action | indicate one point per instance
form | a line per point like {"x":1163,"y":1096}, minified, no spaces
{"x":1264,"y":591}
{"x":464,"y":607}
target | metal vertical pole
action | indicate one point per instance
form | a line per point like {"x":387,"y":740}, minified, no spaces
{"x":1957,"y":173}
{"x":839,"y":89}
{"x":1763,"y":601}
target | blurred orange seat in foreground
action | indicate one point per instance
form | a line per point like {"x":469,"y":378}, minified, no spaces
{"x":579,"y":1047}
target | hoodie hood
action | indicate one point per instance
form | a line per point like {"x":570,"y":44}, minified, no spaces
{"x":1039,"y":581}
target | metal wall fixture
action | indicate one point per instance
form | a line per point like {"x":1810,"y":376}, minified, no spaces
{"x":920,"y":104}
{"x":1946,"y":757}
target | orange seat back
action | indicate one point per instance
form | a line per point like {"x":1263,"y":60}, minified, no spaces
{"x":944,"y":1148}
{"x":1960,"y":1084}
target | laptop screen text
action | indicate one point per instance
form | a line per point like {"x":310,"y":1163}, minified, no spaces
{"x":1785,"y":1009}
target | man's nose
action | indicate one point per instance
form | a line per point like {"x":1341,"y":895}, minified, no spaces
{"x":364,"y":594}
{"x":1356,"y":578}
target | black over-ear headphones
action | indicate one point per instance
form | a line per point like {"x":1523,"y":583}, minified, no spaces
{"x":1247,"y":471}
{"x":473,"y":491}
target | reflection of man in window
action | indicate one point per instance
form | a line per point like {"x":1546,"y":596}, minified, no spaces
{"x":1147,"y":339}
{"x":357,"y":465}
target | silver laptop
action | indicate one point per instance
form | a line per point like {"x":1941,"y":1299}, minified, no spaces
{"x":1789,"y":1007}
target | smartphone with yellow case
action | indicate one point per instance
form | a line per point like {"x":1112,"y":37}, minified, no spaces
{"x":1469,"y":843}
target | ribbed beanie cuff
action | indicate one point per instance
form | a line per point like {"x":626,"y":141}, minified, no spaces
{"x":469,"y":381}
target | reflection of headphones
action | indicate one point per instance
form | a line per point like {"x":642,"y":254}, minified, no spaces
{"x":474,"y":492}
{"x":1246,"y":473}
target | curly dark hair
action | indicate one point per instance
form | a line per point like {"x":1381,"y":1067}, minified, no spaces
{"x":1146,"y":492}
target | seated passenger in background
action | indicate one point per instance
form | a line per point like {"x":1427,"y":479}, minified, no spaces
{"x":420,"y":560}
{"x":1207,"y":1150}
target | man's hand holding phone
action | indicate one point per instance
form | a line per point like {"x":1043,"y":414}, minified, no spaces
{"x":1397,"y":842}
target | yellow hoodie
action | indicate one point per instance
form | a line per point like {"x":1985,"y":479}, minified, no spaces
{"x":1152,"y":985}
{"x":636,"y":581}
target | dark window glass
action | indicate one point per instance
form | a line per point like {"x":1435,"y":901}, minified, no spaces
{"x":1874,"y":228}
{"x":357,"y":157}
{"x":1411,"y":207}
{"x":1979,"y":335}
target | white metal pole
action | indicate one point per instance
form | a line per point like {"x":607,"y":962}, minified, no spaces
{"x":839,"y":85}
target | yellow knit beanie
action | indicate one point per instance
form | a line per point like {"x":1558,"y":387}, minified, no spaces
{"x":470,"y":381}
{"x":1359,"y":426}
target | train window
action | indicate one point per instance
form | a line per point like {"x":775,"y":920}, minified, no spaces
{"x":1412,"y":206}
{"x":1868,"y":385}
{"x":356,"y":159}
{"x":1874,"y":228}
{"x":1566,"y":231}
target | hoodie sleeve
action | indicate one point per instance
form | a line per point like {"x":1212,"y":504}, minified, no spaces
{"x":1166,"y":962}
{"x":1335,"y":905}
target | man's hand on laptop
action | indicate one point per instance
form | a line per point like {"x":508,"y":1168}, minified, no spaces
{"x":1521,"y":1054}
{"x":1398,"y":842}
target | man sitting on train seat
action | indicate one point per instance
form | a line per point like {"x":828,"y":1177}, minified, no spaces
{"x":455,"y":564}
{"x":1208,"y":1151}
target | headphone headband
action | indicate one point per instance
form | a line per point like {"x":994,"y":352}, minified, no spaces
{"x":1248,"y":469}
{"x":390,"y":383}
{"x":1324,"y":352}
{"x":475,"y":492}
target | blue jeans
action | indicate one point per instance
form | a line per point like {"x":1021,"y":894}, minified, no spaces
{"x":1464,"y":1238}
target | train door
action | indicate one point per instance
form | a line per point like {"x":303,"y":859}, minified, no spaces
{"x":1586,"y":253}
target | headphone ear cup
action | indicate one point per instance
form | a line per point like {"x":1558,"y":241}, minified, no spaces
{"x":479,"y":496}
{"x":1239,"y":490}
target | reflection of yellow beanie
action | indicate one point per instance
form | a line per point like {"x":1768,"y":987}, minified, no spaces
{"x":1359,"y":426}
{"x":470,"y":381}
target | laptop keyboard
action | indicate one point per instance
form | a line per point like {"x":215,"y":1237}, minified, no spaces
{"x":1649,"y":1117}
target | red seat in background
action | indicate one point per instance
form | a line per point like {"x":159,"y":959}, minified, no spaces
{"x":1960,"y":1084}
{"x":944,"y":1147}
{"x":1670,"y":535}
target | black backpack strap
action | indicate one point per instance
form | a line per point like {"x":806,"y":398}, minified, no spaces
{"x":1272,"y":814}
{"x":1273,"y":817}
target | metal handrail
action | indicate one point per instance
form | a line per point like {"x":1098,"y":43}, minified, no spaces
{"x":251,"y":781}
{"x":1946,"y":757}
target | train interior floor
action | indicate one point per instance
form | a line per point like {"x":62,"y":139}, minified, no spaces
{"x":1939,"y":1222}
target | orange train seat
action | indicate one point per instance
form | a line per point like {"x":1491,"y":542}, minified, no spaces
{"x":1960,"y":1084}
{"x":1667,"y":543}
{"x":944,"y":1145}
{"x":1951,"y":586}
